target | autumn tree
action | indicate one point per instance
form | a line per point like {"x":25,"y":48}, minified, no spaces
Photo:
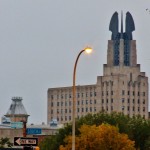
{"x":103,"y":137}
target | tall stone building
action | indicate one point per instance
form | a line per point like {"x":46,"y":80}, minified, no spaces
{"x":122,"y":88}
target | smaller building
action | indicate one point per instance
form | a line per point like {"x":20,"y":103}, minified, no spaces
{"x":17,"y":112}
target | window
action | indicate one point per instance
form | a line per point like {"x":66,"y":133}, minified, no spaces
{"x":90,"y":109}
{"x":78,"y":95}
{"x":128,"y":92}
{"x":112,"y":108}
{"x":107,"y":93}
{"x":86,"y":109}
{"x":128,"y":108}
{"x":107,"y":100}
{"x":65,"y":96}
{"x":123,"y":107}
{"x":82,"y":109}
{"x":138,"y":101}
{"x":65,"y":103}
{"x":69,"y":110}
{"x":138,"y":93}
{"x":94,"y":108}
{"x":78,"y":102}
{"x":86,"y":95}
{"x":61,"y":103}
{"x":111,"y":92}
{"x":69,"y":103}
{"x":138,"y":109}
{"x":69,"y":117}
{"x":69,"y":95}
{"x":65,"y":110}
{"x":144,"y":109}
{"x":57,"y":111}
{"x":128,"y":100}
{"x":52,"y":104}
{"x":107,"y":108}
{"x":143,"y":93}
{"x":62,"y":96}
{"x":122,"y":100}
{"x":143,"y":101}
{"x":51,"y":111}
{"x":65,"y":118}
{"x":78,"y":110}
{"x":57,"y":103}
{"x":133,"y":93}
{"x":133,"y":100}
{"x":82,"y":102}
{"x":86,"y":101}
{"x":90,"y":101}
{"x":90,"y":94}
{"x":102,"y":100}
{"x":94,"y":93}
{"x":133,"y":108}
{"x":111,"y":100}
{"x":52,"y":97}
{"x":94,"y":101}
{"x":82,"y":94}
{"x":122,"y":92}
{"x":102,"y":93}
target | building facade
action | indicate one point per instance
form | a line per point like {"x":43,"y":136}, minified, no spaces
{"x":122,"y":88}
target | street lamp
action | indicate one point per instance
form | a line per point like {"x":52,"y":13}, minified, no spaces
{"x":87,"y":50}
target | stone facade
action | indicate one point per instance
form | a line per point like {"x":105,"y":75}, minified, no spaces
{"x":122,"y":88}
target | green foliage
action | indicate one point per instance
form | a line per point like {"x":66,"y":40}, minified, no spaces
{"x":4,"y":142}
{"x":137,"y":128}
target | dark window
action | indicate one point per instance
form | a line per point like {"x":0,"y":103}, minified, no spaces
{"x":111,"y":92}
{"x":128,"y":92}
{"x":138,"y":93}
{"x":94,"y":101}
{"x":52,"y":104}
{"x":111,"y":100}
{"x":128,"y":100}
{"x":138,"y":101}
{"x":57,"y":103}
{"x":133,"y":93}
{"x":133,"y":100}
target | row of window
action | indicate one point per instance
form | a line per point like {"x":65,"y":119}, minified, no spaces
{"x":123,"y":100}
{"x":66,"y":96}
{"x":82,"y":102}
{"x":91,"y":109}
{"x":133,"y":108}
{"x":123,"y":93}
{"x":111,"y":83}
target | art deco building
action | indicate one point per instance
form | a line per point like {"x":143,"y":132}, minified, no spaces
{"x":122,"y":88}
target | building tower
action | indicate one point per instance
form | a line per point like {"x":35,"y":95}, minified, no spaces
{"x":17,"y":112}
{"x":122,"y":88}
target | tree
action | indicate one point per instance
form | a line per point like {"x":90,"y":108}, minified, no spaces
{"x":4,"y":142}
{"x":103,"y":137}
{"x":139,"y":131}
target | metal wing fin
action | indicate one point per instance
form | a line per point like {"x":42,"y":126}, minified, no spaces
{"x":113,"y":26}
{"x":130,"y":27}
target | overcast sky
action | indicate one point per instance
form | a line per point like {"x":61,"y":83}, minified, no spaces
{"x":40,"y":39}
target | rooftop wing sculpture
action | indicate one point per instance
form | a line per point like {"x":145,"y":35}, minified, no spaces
{"x":113,"y":26}
{"x":130,"y":27}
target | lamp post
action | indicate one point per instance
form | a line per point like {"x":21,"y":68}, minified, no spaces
{"x":87,"y":50}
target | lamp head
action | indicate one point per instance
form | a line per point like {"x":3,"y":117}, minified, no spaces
{"x":88,"y":50}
